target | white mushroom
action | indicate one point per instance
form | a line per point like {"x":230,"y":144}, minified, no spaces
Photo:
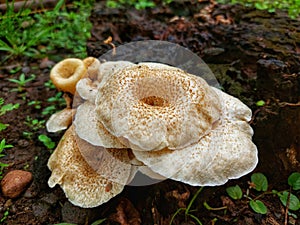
{"x":227,"y":152}
{"x":90,"y":129}
{"x":156,"y":108}
{"x":84,"y":185}
{"x":149,"y":117}
{"x":60,"y":120}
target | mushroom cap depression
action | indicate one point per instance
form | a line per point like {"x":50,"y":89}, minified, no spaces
{"x":151,"y":108}
{"x":67,"y":73}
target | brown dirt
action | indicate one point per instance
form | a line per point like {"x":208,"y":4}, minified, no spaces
{"x":255,"y":55}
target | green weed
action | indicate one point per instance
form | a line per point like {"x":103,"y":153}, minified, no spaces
{"x":34,"y":34}
{"x":21,"y":82}
{"x":259,"y":183}
{"x":46,"y":141}
{"x":187,"y":211}
{"x":291,"y":6}
{"x":3,"y":146}
{"x":4,"y":109}
{"x":138,"y":4}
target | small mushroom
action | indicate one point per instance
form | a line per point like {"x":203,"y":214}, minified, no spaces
{"x":67,"y":73}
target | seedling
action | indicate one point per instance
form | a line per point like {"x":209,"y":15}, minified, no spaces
{"x":4,"y":109}
{"x":46,"y":141}
{"x":34,"y":124}
{"x":58,"y":101}
{"x":259,"y":183}
{"x":21,"y":82}
{"x":35,"y":104}
{"x":49,"y":84}
{"x":3,"y":146}
{"x":187,"y":211}
{"x":8,"y":107}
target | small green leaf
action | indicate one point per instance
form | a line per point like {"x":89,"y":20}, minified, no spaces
{"x":260,"y":181}
{"x":97,"y":222}
{"x":258,"y":206}
{"x":235,"y":192}
{"x":260,"y":103}
{"x":294,"y":181}
{"x":3,"y":126}
{"x":294,"y":203}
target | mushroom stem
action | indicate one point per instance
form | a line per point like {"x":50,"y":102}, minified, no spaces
{"x":67,"y":73}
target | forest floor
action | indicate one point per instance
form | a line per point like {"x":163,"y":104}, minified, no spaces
{"x":255,"y":56}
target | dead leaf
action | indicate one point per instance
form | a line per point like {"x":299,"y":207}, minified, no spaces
{"x":126,"y":214}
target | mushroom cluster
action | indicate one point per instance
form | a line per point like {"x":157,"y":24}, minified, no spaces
{"x":148,"y":117}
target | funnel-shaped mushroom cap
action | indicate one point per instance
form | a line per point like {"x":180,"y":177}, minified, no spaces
{"x":60,"y":120}
{"x":67,"y":73}
{"x":227,"y":152}
{"x":84,"y":186}
{"x":153,"y":108}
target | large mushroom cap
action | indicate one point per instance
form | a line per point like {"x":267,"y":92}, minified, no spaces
{"x":153,"y":108}
{"x":227,"y":152}
{"x":83,"y":185}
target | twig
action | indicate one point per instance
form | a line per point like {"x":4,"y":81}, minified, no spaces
{"x":32,"y":4}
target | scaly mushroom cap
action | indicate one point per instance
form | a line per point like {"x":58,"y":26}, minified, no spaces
{"x":83,"y":185}
{"x":67,"y":73}
{"x":153,"y":108}
{"x":227,"y":152}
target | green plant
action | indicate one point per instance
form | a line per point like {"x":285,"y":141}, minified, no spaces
{"x":33,"y":34}
{"x":58,"y":102}
{"x":259,"y":183}
{"x":4,"y":109}
{"x":187,"y":210}
{"x":21,"y":82}
{"x":3,"y":146}
{"x":35,"y":104}
{"x":46,"y":141}
{"x":291,"y":6}
{"x":34,"y":124}
{"x":5,"y":215}
{"x":138,"y":4}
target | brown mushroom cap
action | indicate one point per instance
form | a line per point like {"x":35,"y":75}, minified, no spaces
{"x":67,"y":73}
{"x":154,"y":108}
{"x":227,"y":152}
{"x":83,"y":186}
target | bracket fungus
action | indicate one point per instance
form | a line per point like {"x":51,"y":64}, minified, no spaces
{"x":147,"y":117}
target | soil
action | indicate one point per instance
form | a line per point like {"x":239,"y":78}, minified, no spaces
{"x":255,"y":55}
